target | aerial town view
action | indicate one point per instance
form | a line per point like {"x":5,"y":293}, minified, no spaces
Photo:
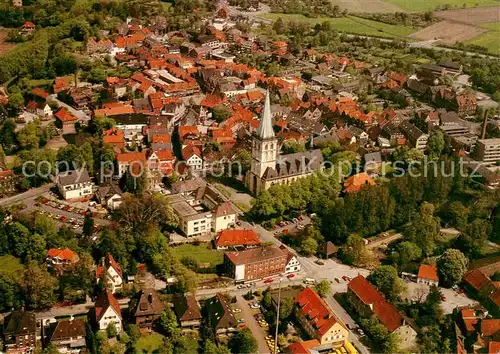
{"x":249,"y":176}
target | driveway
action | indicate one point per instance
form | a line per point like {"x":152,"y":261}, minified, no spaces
{"x":251,"y":322}
{"x":82,"y":116}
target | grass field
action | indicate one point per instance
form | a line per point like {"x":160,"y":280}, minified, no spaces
{"x":149,"y":343}
{"x":202,"y":253}
{"x":351,"y":24}
{"x":490,"y":39}
{"x":426,"y":5}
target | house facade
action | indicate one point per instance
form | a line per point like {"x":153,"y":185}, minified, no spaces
{"x":149,"y":309}
{"x":69,"y":336}
{"x":427,"y":274}
{"x":188,"y":312}
{"x":20,"y":332}
{"x":107,"y":311}
{"x":75,"y":184}
{"x":111,"y":272}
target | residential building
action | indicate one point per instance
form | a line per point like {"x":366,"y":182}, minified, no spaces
{"x":69,"y":336}
{"x":114,"y":137}
{"x":292,"y":262}
{"x":107,"y":311}
{"x":267,"y":168}
{"x":20,"y":332}
{"x":188,"y":311}
{"x":62,"y":257}
{"x":416,"y":137}
{"x":109,"y":195}
{"x":192,"y":156}
{"x":368,"y":301}
{"x":488,"y":151}
{"x":65,"y":121}
{"x":427,"y":274}
{"x":221,"y":317}
{"x":318,"y":320}
{"x":357,"y":181}
{"x":111,"y":273}
{"x":134,"y":160}
{"x":255,"y":263}
{"x":224,"y":216}
{"x":75,"y":184}
{"x":149,"y":309}
{"x":237,"y":238}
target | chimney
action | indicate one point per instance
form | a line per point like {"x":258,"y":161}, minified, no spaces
{"x":485,"y":124}
{"x":76,"y":78}
{"x":150,"y":298}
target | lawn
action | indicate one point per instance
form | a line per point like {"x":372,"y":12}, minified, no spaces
{"x":489,"y":39}
{"x":149,"y":343}
{"x":202,"y":253}
{"x":427,"y":5}
{"x":350,"y":24}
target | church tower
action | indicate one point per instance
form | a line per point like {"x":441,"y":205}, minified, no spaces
{"x":264,"y":149}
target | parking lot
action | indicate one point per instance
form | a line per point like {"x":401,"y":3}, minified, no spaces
{"x":259,"y":332}
{"x":451,"y":298}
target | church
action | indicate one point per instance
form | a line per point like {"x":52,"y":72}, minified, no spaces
{"x":268,"y":166}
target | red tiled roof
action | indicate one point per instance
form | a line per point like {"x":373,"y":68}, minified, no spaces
{"x":302,"y":347}
{"x":384,"y":311}
{"x":64,"y":115}
{"x":40,"y":93}
{"x":210,"y":101}
{"x":6,"y":173}
{"x":188,"y":129}
{"x":64,"y":254}
{"x":476,"y":279}
{"x":493,"y":347}
{"x":129,"y":157}
{"x":229,"y":238}
{"x":469,"y":318}
{"x":165,"y":155}
{"x":316,"y":311}
{"x":29,"y":24}
{"x":115,"y":109}
{"x":490,"y":327}
{"x":495,"y":297}
{"x":109,"y":261}
{"x":427,"y":271}
{"x":103,"y":302}
{"x":357,"y":181}
{"x":161,"y":138}
{"x":189,"y":151}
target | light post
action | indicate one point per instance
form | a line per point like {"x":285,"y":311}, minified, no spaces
{"x":277,"y":316}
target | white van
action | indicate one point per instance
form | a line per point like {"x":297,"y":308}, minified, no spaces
{"x":309,"y":281}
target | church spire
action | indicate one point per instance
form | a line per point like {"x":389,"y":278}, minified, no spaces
{"x":265,"y":130}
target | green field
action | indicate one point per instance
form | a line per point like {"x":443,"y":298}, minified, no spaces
{"x":490,"y":39}
{"x":149,"y":343}
{"x":427,"y":5}
{"x":202,"y":253}
{"x":350,"y":24}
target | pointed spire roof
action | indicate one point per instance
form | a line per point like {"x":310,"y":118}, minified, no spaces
{"x":265,"y":130}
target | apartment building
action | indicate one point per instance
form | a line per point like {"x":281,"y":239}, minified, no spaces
{"x":488,"y":151}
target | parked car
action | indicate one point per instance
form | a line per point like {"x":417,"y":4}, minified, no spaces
{"x":295,"y":220}
{"x":290,"y":276}
{"x":267,"y":281}
{"x":360,"y":331}
{"x":236,"y":310}
{"x":443,"y":297}
{"x":346,"y":278}
{"x":300,"y":218}
{"x":241,"y":320}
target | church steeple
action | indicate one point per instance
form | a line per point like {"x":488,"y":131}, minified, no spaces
{"x":265,"y":130}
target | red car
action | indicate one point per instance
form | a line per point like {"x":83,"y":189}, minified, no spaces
{"x":443,"y":297}
{"x":268,"y":281}
{"x":290,"y":276}
{"x":346,"y":278}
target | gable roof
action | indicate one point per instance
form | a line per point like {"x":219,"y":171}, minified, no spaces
{"x":319,"y":314}
{"x":63,"y":254}
{"x":235,"y":237}
{"x":69,"y":329}
{"x":129,"y":157}
{"x":64,"y":115}
{"x":384,"y":311}
{"x":149,"y":303}
{"x":357,"y":181}
{"x":219,"y":312}
{"x":20,"y":323}
{"x":109,"y":261}
{"x":223,"y":209}
{"x":426,"y":271}
{"x":186,"y":308}
{"x":105,"y":301}
{"x":476,"y":279}
{"x":253,"y":255}
{"x":490,"y":327}
{"x":189,"y":151}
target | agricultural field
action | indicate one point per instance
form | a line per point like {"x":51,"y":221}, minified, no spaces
{"x":448,"y":32}
{"x":428,"y":5}
{"x":367,"y":6}
{"x":473,"y":16}
{"x":350,"y":24}
{"x":5,"y":46}
{"x":489,"y":39}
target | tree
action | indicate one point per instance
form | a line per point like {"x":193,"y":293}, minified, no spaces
{"x":88,"y":223}
{"x":111,"y":330}
{"x":457,"y":214}
{"x":452,"y":266}
{"x":50,"y":349}
{"x":406,"y":252}
{"x":39,"y":286}
{"x":28,"y":136}
{"x":167,"y":323}
{"x":435,"y":144}
{"x":386,"y":279}
{"x":220,"y":113}
{"x":309,"y":246}
{"x":322,"y":288}
{"x":97,"y":75}
{"x":187,"y":344}
{"x":354,"y":251}
{"x":16,"y":102}
{"x":286,"y":307}
{"x":243,"y":342}
{"x":424,"y":230}
{"x":146,"y":210}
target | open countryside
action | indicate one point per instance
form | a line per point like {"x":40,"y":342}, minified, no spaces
{"x":426,"y":5}
{"x":489,"y":39}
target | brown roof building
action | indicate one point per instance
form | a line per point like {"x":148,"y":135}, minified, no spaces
{"x":20,"y":332}
{"x":220,"y":316}
{"x":188,"y":311}
{"x":149,"y":308}
{"x":69,"y":336}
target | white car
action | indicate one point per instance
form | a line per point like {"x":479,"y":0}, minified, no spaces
{"x":236,"y":310}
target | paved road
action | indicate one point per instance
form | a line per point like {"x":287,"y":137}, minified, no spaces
{"x":251,"y":323}
{"x":30,"y":194}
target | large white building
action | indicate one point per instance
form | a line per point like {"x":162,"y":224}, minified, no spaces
{"x":488,"y":151}
{"x":75,"y":184}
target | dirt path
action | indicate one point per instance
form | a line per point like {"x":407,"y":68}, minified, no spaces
{"x":251,"y":323}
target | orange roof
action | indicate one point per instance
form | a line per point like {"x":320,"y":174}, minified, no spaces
{"x":63,"y":254}
{"x":129,"y":157}
{"x":188,"y":129}
{"x":161,"y":138}
{"x":493,"y":347}
{"x":319,"y":314}
{"x":109,"y":261}
{"x":302,"y":347}
{"x":228,"y":238}
{"x":115,"y":109}
{"x":490,"y":327}
{"x":29,"y":24}
{"x":40,"y":93}
{"x":64,"y":115}
{"x":190,"y":151}
{"x":476,"y":279}
{"x":427,"y":271}
{"x":165,"y":155}
{"x":384,"y":311}
{"x":495,"y":296}
{"x":210,"y":101}
{"x":356,"y":182}
{"x":469,"y":318}
{"x":103,"y":302}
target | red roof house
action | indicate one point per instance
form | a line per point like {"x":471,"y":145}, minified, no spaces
{"x":232,"y":238}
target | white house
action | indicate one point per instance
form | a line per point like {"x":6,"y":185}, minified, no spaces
{"x":192,"y":155}
{"x":107,"y":311}
{"x":292,"y":262}
{"x":112,"y":272}
{"x":75,"y":184}
{"x":224,"y":217}
{"x":44,"y":111}
{"x":110,"y":196}
{"x":427,"y":274}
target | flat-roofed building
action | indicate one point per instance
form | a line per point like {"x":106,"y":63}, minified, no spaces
{"x":488,"y":150}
